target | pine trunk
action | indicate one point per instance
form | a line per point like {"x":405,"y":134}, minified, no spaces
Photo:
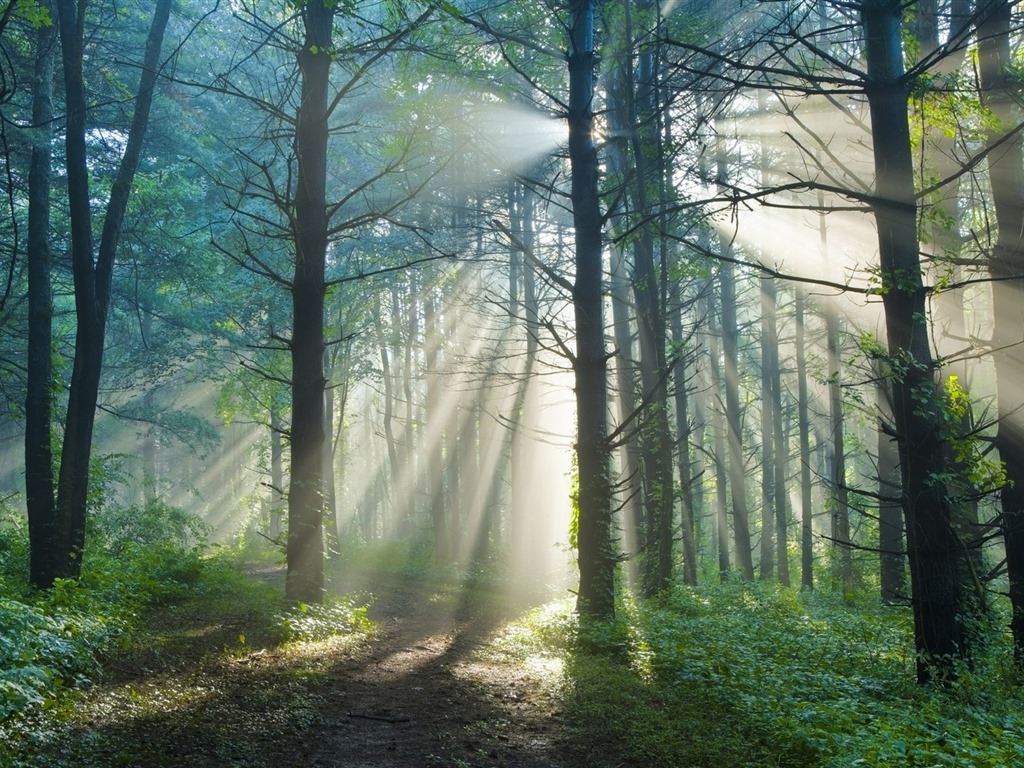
{"x":596,"y":597}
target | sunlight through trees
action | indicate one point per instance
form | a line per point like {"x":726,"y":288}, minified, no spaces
{"x":616,"y":299}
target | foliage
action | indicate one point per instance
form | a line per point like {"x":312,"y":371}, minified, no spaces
{"x":755,"y":674}
{"x":53,"y":642}
{"x":983,"y":472}
{"x":118,"y":526}
{"x":339,"y":615}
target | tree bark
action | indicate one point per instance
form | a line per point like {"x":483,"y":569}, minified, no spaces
{"x":890,"y":510}
{"x":596,"y":557}
{"x":1000,"y":90}
{"x":39,"y":497}
{"x":932,"y":547}
{"x":91,"y":282}
{"x":305,"y":578}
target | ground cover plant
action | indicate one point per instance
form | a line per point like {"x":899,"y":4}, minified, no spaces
{"x":750,"y":674}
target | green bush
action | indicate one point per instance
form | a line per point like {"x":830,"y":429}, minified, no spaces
{"x":53,"y":641}
{"x":118,"y":526}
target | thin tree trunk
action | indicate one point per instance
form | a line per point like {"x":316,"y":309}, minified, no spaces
{"x":769,"y":341}
{"x":434,"y":432}
{"x":655,"y":436}
{"x":683,"y":437}
{"x":39,"y":497}
{"x":387,"y":380}
{"x":843,"y":556}
{"x":737,"y":475}
{"x":330,"y":490}
{"x":804,"y":429}
{"x":276,"y":473}
{"x":523,"y":301}
{"x":718,"y":428}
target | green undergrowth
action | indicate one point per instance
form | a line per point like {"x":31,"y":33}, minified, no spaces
{"x":756,"y":675}
{"x":150,"y":609}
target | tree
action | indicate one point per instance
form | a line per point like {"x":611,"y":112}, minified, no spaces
{"x":596,"y":596}
{"x":92,"y":280}
{"x":305,"y":493}
{"x":1000,"y":93}
{"x":39,"y":498}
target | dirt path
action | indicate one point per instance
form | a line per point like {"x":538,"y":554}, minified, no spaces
{"x":424,"y":695}
{"x":209,"y":689}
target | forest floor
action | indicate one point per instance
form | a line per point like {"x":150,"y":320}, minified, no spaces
{"x":211,"y":686}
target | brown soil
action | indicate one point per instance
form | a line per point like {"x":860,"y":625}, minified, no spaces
{"x":208,"y":691}
{"x":424,"y":695}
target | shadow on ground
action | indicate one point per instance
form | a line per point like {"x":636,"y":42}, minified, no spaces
{"x":222,"y":691}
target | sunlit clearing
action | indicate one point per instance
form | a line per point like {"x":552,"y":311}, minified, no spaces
{"x":142,"y":700}
{"x":538,"y":641}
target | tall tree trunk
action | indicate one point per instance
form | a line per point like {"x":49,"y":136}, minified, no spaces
{"x":769,"y":342}
{"x":388,"y":381}
{"x":330,"y":491}
{"x":92,"y":282}
{"x":434,"y":431}
{"x":842,"y":554}
{"x":39,"y":497}
{"x":684,"y":432}
{"x":718,"y":429}
{"x":276,"y":473}
{"x":525,"y":312}
{"x":655,"y":436}
{"x":734,"y":419}
{"x":305,"y":578}
{"x":932,"y":546}
{"x":596,"y":557}
{"x":804,"y":429}
{"x":629,"y":483}
{"x":1000,"y":92}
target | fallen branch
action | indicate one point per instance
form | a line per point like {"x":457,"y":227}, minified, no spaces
{"x":382,"y":718}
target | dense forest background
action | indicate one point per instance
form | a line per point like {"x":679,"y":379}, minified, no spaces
{"x":618,"y":297}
